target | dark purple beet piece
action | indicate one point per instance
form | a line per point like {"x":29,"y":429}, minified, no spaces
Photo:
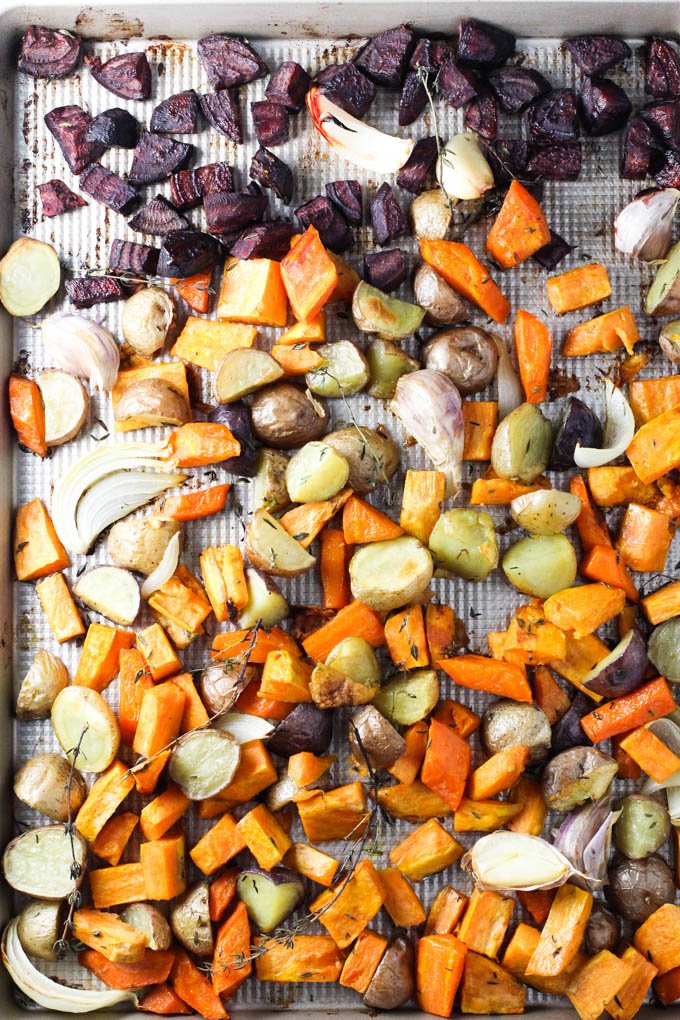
{"x":131,"y":257}
{"x":482,"y":116}
{"x":158,"y":217}
{"x":109,"y":189}
{"x":56,"y":198}
{"x":331,"y":224}
{"x":288,"y":86}
{"x":347,"y":87}
{"x":232,"y":211}
{"x":347,"y":196}
{"x":86,"y":291}
{"x":638,"y":150}
{"x":49,"y":52}
{"x":229,"y":61}
{"x":413,"y":99}
{"x":157,"y":157}
{"x":664,"y":120}
{"x":604,"y":106}
{"x":384,"y":58}
{"x":558,"y":162}
{"x":222,"y":112}
{"x":413,"y":174}
{"x":509,"y":158}
{"x":188,"y":187}
{"x":114,"y":127}
{"x":265,"y":241}
{"x":553,"y":117}
{"x":385,"y":270}
{"x":387,"y":217}
{"x":551,"y":254}
{"x":456,"y":84}
{"x":668,"y":174}
{"x":270,"y":121}
{"x":483,"y":45}
{"x":177,"y":115}
{"x":69,"y":126}
{"x":595,"y":54}
{"x":429,"y":54}
{"x":271,"y":172}
{"x":516,"y":87}
{"x":187,"y":252}
{"x":128,"y":75}
{"x":662,"y":68}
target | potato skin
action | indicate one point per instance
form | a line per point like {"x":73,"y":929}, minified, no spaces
{"x":372,"y":736}
{"x":637,"y":888}
{"x":220,"y":686}
{"x":147,"y":317}
{"x":153,"y":399}
{"x":147,"y":918}
{"x":603,"y":930}
{"x":368,"y":467}
{"x":270,"y":491}
{"x":137,"y":544}
{"x":394,"y":980}
{"x":41,"y":783}
{"x":190,"y":920}
{"x":507,"y":722}
{"x":307,"y":728}
{"x":46,"y":677}
{"x":443,"y":305}
{"x":576,"y":776}
{"x":40,"y":926}
{"x":283,"y":416}
{"x":467,"y":355}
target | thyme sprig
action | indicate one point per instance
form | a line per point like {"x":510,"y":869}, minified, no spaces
{"x":76,"y":870}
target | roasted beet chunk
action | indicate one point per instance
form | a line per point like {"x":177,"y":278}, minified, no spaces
{"x":231,"y":211}
{"x":109,"y":189}
{"x":157,"y":157}
{"x":668,"y":173}
{"x":483,"y":45}
{"x":553,"y":117}
{"x":482,"y":116}
{"x":551,"y":254}
{"x":413,"y":174}
{"x":115,"y":127}
{"x":508,"y":157}
{"x":664,"y":120}
{"x":128,"y":75}
{"x":429,"y":54}
{"x":69,"y":126}
{"x":86,"y":291}
{"x":662,"y":68}
{"x":385,"y":270}
{"x":347,"y":87}
{"x":347,"y":196}
{"x":387,"y":217}
{"x":158,"y":217}
{"x":48,"y":52}
{"x":595,"y":54}
{"x":221,"y":111}
{"x":413,"y":99}
{"x":188,"y":187}
{"x":456,"y":84}
{"x":288,"y":86}
{"x":558,"y":162}
{"x":270,"y":121}
{"x":131,"y":257}
{"x":266,"y":241}
{"x":516,"y":87}
{"x":57,"y":198}
{"x":638,"y":150}
{"x":187,"y":252}
{"x":271,"y":172}
{"x":331,"y":224}
{"x":605,"y":107}
{"x":177,"y":115}
{"x":384,"y":59}
{"x":229,"y":61}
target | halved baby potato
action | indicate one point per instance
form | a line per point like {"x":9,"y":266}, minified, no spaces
{"x":345,"y":370}
{"x":546,"y":511}
{"x":272,"y":549}
{"x":265,"y":602}
{"x":40,"y":862}
{"x":203,"y":762}
{"x":83,"y":722}
{"x":408,"y":698}
{"x":66,"y":405}
{"x":386,"y":575}
{"x":316,"y":472}
{"x":243,"y":371}
{"x":111,"y":591}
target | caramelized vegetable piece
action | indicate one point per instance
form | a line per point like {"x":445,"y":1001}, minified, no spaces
{"x":462,"y":271}
{"x":308,"y":275}
{"x":519,"y":230}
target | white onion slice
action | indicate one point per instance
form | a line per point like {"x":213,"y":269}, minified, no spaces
{"x":165,"y":569}
{"x":355,"y":141}
{"x":244,"y":727}
{"x":619,"y":430}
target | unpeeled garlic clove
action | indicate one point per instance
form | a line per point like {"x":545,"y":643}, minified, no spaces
{"x":462,"y":170}
{"x":510,"y":861}
{"x":83,"y":348}
{"x":643,"y":228}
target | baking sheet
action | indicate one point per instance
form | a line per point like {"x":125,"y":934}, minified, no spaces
{"x":582,"y":212}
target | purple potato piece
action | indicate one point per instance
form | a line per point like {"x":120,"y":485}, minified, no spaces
{"x":131,"y":257}
{"x":221,"y":111}
{"x":347,"y":87}
{"x":333,"y":229}
{"x":384,"y":59}
{"x":622,"y":670}
{"x":662,"y":68}
{"x":157,"y":157}
{"x":108,"y":188}
{"x":177,"y":115}
{"x":114,"y":127}
{"x":288,"y":86}
{"x":347,"y":196}
{"x":270,"y":896}
{"x":236,"y":417}
{"x":87,"y":291}
{"x":127,"y":75}
{"x":230,"y":211}
{"x":49,"y":52}
{"x":579,"y":425}
{"x":517,"y":87}
{"x":483,"y":45}
{"x":187,"y":252}
{"x":509,"y":157}
{"x":270,"y":122}
{"x":56,"y":198}
{"x":413,"y":99}
{"x":429,"y":54}
{"x":266,"y":241}
{"x":568,"y":732}
{"x":158,"y":217}
{"x":271,"y":172}
{"x":559,"y":162}
{"x":481,"y":116}
{"x":307,"y":728}
{"x":553,"y":117}
{"x":385,"y":270}
{"x":664,"y":120}
{"x":387,"y":217}
{"x":668,"y":174}
{"x":188,"y":187}
{"x":604,"y":105}
{"x":456,"y":84}
{"x":69,"y":125}
{"x":413,"y":175}
{"x":637,"y":156}
{"x":229,"y":61}
{"x":595,"y":54}
{"x":551,"y":254}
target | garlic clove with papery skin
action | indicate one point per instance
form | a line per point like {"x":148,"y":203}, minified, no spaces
{"x":462,"y":170}
{"x":644,"y":227}
{"x":82,"y":347}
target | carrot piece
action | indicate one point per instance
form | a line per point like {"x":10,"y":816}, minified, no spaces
{"x":194,"y":506}
{"x":483,"y":815}
{"x":333,"y":567}
{"x":480,"y":418}
{"x":401,"y":901}
{"x":98,"y":663}
{"x":264,"y":837}
{"x":489,"y":988}
{"x":334,"y":814}
{"x":405,"y":638}
{"x":655,"y":448}
{"x":134,"y":681}
{"x":630,"y":997}
{"x":421,"y":504}
{"x":498,"y":773}
{"x":345,"y":912}
{"x":425,"y":851}
{"x":218,"y":846}
{"x":494,"y":491}
{"x":27,"y":412}
{"x":531,"y":818}
{"x":114,"y":836}
{"x":305,"y":958}
{"x":584,"y":608}
{"x":446,"y":763}
{"x":199,"y":444}
{"x":592,"y":529}
{"x":163,"y":1001}
{"x":221,"y":893}
{"x":658,"y":938}
{"x":253,"y":292}
{"x":160,"y":814}
{"x":597,"y":983}
{"x":486,"y":921}
{"x":111,"y":887}
{"x":256,"y":771}
{"x":506,"y":679}
{"x":406,"y":767}
{"x":533,"y":343}
{"x":146,"y":779}
{"x":106,"y":795}
{"x":251,"y":703}
{"x":286,"y":678}
{"x":667,"y":987}
{"x":612,"y":485}
{"x":37,"y":549}
{"x":194,"y":715}
{"x":308,"y":275}
{"x":537,"y":902}
{"x":152,"y":969}
{"x":415,"y":802}
{"x":362,"y":960}
{"x":651,"y":754}
{"x":163,"y":862}
{"x":650,"y":397}
{"x":194,"y":988}
{"x":362,"y":523}
{"x":195,"y":290}
{"x":446,"y":911}
{"x":520,"y":228}
{"x":466,"y":274}
{"x":519,"y":951}
{"x":231,"y":963}
{"x":578,"y":288}
{"x":439,"y":970}
{"x":602,"y":563}
{"x":296,"y":360}
{"x":662,"y":604}
{"x":652,"y":700}
{"x":236,"y":643}
{"x":305,"y":522}
{"x":114,"y":939}
{"x":458,"y":717}
{"x":604,"y":333}
{"x":440,"y":630}
{"x":59,"y":608}
{"x":355,"y":620}
{"x":305,"y":768}
{"x":628,"y":769}
{"x":160,"y":718}
{"x":549,"y":696}
{"x":645,"y":538}
{"x":160,"y":656}
{"x":563,"y":932}
{"x":312,"y":863}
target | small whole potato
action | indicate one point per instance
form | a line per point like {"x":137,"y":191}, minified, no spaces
{"x":41,"y":782}
{"x":443,"y":305}
{"x":637,"y":888}
{"x":220,"y":686}
{"x":190,"y":920}
{"x":138,"y":543}
{"x":373,"y":457}
{"x":467,"y":355}
{"x":642,"y":827}
{"x":576,"y":776}
{"x":153,"y":402}
{"x":430,"y":215}
{"x":603,"y":930}
{"x":284,"y":416}
{"x":394,"y":981}
{"x":146,"y":321}
{"x":40,"y":927}
{"x":506,"y":723}
{"x":46,"y":677}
